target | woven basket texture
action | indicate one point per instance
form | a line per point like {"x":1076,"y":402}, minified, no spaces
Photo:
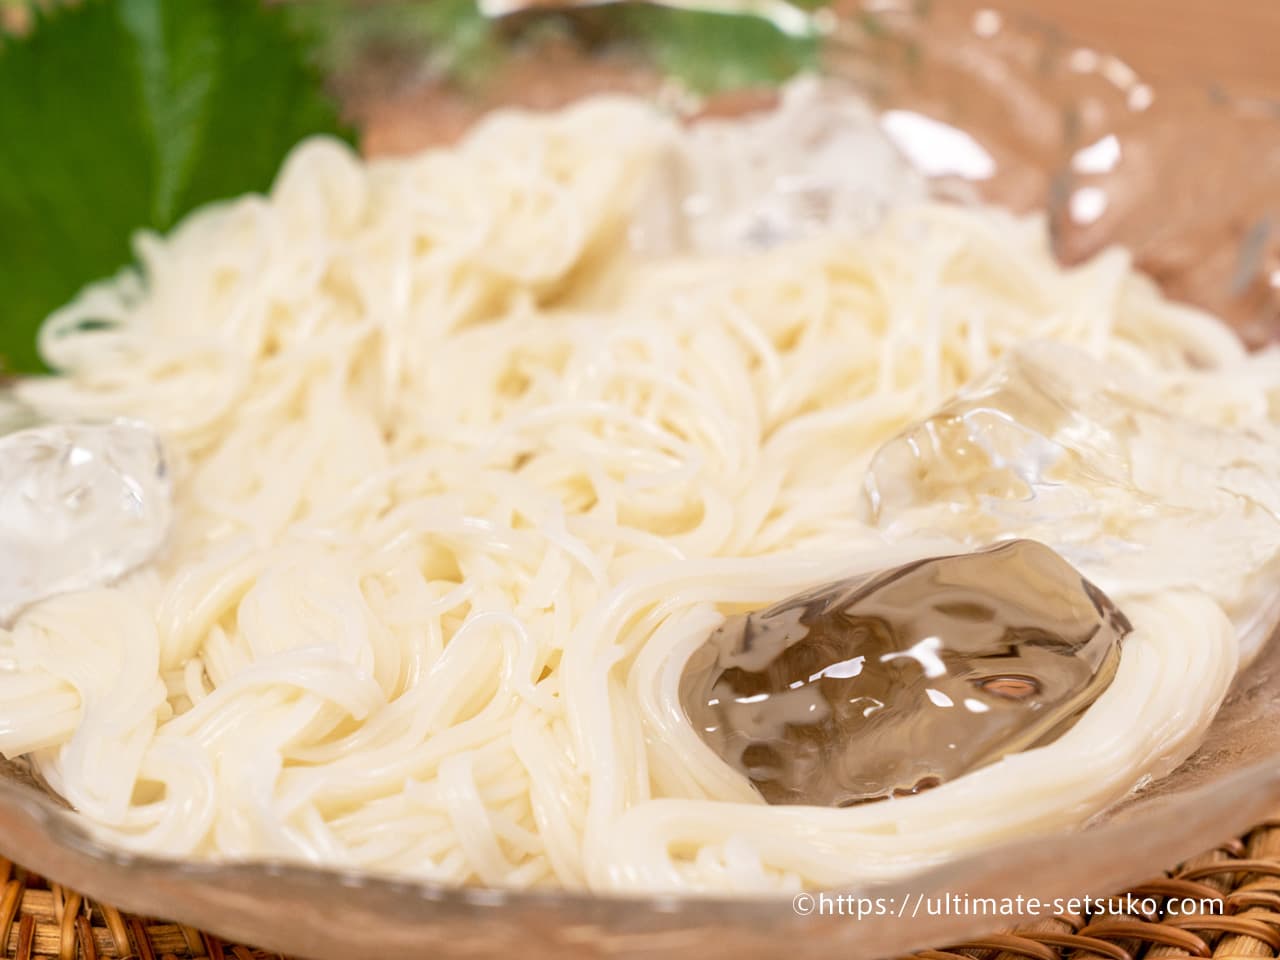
{"x":1239,"y":880}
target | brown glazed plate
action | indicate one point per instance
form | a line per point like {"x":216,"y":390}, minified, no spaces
{"x":1188,"y":179}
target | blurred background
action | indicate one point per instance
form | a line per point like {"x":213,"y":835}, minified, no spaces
{"x":1233,"y":42}
{"x":1230,"y":44}
{"x":244,"y":80}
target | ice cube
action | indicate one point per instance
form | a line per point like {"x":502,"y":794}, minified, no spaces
{"x":819,"y":161}
{"x":81,"y":505}
{"x":883,"y":686}
{"x":1055,"y":447}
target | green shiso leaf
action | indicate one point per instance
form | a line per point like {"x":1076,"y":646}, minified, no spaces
{"x":715,"y":52}
{"x":457,"y":40}
{"x":121,"y":114}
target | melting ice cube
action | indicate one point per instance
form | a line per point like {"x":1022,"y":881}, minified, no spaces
{"x":885,"y":685}
{"x":80,"y":505}
{"x":819,"y":161}
{"x":1053,"y":446}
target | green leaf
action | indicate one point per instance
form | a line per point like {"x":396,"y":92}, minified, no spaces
{"x":708,"y":51}
{"x":459,"y":42}
{"x":121,"y":114}
{"x":713,"y":52}
{"x":177,"y":62}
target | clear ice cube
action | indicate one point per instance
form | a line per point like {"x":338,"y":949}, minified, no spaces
{"x":1053,"y":446}
{"x":81,"y":505}
{"x":819,"y":161}
{"x":886,"y":685}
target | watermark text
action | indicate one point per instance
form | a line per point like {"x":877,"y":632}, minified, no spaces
{"x":963,"y":905}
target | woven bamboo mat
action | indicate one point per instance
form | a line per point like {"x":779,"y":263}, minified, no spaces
{"x":42,"y":920}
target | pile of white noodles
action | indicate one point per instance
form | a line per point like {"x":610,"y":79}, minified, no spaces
{"x":460,"y":481}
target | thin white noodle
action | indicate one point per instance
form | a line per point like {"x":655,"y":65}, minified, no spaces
{"x":460,"y":481}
